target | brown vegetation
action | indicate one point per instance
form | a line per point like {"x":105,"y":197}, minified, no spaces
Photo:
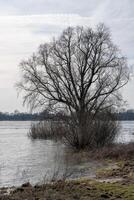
{"x":47,"y":130}
{"x":114,"y":182}
{"x":98,"y":133}
{"x":116,"y":151}
{"x":80,"y":190}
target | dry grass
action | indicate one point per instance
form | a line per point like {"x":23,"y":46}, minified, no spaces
{"x":46,"y":130}
{"x":73,"y":190}
{"x":94,"y":134}
{"x":115,"y":151}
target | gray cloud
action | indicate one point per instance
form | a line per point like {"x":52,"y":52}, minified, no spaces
{"x":99,"y":8}
{"x":52,"y":6}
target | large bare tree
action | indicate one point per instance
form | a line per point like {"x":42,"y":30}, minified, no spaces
{"x":82,"y":71}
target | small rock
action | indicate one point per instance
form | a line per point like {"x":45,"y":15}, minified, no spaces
{"x":88,"y":188}
{"x":26,"y":185}
{"x":36,"y":186}
{"x":106,"y":196}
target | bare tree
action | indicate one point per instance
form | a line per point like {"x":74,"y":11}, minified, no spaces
{"x":82,"y":71}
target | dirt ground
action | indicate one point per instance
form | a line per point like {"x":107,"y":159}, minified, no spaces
{"x":113,"y":183}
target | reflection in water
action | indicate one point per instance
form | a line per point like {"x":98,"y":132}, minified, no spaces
{"x":22,"y":159}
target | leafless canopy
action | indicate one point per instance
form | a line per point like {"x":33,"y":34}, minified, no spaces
{"x":82,"y":70}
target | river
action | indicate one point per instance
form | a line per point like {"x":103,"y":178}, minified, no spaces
{"x":23,"y":159}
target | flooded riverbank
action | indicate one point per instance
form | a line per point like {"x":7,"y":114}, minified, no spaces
{"x":22,"y":159}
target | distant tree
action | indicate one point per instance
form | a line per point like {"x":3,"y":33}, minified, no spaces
{"x":81,"y":71}
{"x":16,"y":112}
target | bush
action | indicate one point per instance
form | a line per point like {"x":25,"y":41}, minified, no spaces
{"x":105,"y":131}
{"x":94,"y":133}
{"x":115,"y":151}
{"x":46,"y":130}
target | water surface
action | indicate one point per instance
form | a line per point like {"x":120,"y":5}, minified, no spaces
{"x":23,"y":159}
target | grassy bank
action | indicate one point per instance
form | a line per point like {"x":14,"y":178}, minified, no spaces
{"x":116,"y":182}
{"x":72,"y":190}
{"x":118,"y":151}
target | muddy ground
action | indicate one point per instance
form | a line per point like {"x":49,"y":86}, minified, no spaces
{"x":115,"y":182}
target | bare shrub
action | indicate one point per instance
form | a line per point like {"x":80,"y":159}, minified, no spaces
{"x":60,"y":170}
{"x":95,"y":132}
{"x":105,"y":130}
{"x":115,"y":151}
{"x":58,"y":174}
{"x":47,"y":130}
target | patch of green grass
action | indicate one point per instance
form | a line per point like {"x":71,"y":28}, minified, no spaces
{"x":82,"y":189}
{"x":116,"y":190}
{"x":107,"y":190}
{"x":104,"y":173}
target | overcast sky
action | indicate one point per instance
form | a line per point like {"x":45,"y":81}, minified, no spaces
{"x":26,"y":24}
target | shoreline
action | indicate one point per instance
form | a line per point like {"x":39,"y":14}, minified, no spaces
{"x":115,"y":182}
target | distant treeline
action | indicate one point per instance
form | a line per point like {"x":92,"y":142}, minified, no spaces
{"x":121,"y":116}
{"x":125,"y":116}
{"x":30,"y":116}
